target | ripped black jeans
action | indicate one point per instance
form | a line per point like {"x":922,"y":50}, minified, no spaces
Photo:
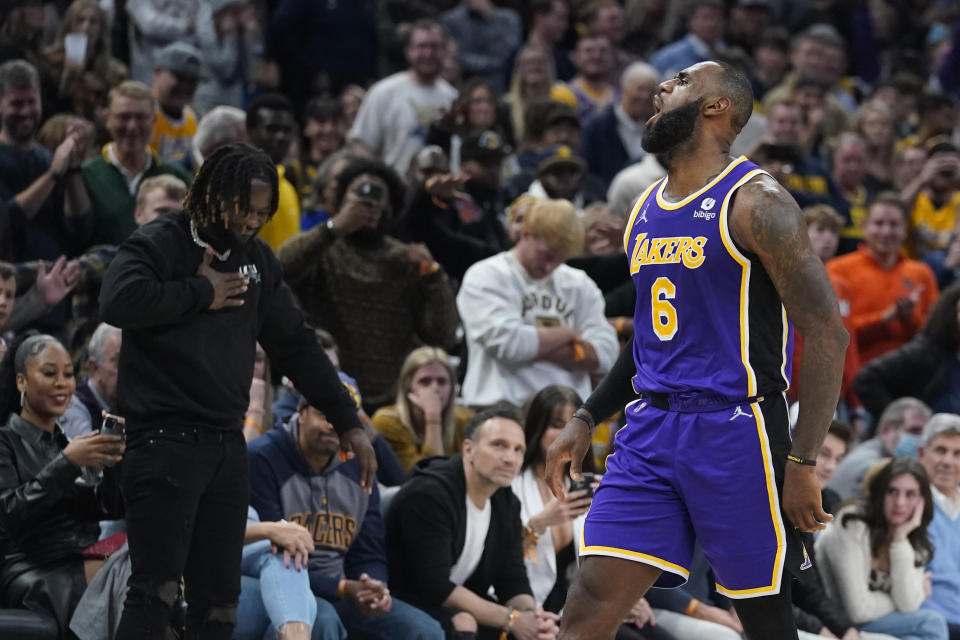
{"x":186,"y":493}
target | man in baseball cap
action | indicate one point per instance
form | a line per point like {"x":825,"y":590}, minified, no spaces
{"x":561,"y":174}
{"x":177,"y":69}
{"x":457,"y":216}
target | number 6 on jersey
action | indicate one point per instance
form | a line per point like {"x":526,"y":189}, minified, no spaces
{"x":663,"y":313}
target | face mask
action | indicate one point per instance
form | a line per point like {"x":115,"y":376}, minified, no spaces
{"x":907,"y":446}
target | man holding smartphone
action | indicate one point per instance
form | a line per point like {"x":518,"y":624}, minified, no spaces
{"x":379,"y":298}
{"x":190,"y":325}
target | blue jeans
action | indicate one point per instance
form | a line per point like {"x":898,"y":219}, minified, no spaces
{"x":404,"y":621}
{"x":922,"y":624}
{"x":272,"y":595}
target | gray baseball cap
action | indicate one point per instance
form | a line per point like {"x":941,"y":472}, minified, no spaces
{"x":180,"y":58}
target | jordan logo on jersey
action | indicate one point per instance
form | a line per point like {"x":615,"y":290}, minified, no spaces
{"x":650,"y":251}
{"x":739,"y":413}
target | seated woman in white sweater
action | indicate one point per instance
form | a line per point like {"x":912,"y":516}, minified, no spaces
{"x":872,"y":556}
{"x":552,"y":528}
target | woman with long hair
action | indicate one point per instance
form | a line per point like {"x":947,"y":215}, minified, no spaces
{"x":923,"y":367}
{"x":873,"y":555}
{"x":874,"y":121}
{"x":534,"y":78}
{"x":550,"y":525}
{"x":51,"y":499}
{"x":81,"y":87}
{"x":426,"y":420}
{"x":473,"y":112}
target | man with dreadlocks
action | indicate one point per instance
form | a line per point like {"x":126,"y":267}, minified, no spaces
{"x":194,"y":292}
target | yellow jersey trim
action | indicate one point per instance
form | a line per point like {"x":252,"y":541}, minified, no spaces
{"x":636,"y":556}
{"x":744,"y":282}
{"x":633,"y":216}
{"x":693,"y":196}
{"x":786,"y":336}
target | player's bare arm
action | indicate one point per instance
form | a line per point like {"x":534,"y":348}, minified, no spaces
{"x":767,"y":221}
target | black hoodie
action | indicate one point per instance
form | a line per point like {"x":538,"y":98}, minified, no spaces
{"x":426,"y":530}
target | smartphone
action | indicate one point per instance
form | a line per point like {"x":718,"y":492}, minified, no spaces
{"x":586,"y":482}
{"x":369,"y":190}
{"x":113,"y":425}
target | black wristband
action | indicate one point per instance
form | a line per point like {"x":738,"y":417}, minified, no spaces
{"x":799,"y":460}
{"x":583,"y":414}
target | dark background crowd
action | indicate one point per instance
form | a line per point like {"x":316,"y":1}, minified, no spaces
{"x":454,"y":183}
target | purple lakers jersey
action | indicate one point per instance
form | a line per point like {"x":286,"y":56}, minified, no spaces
{"x":708,"y":317}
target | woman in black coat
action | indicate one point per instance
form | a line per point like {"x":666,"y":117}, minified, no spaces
{"x":50,"y":496}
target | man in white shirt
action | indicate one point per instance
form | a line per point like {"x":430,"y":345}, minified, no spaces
{"x":454,"y":532}
{"x":397,"y":111}
{"x":940,"y":456}
{"x":531,"y":320}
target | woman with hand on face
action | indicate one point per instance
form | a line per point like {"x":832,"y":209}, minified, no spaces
{"x":48,"y":513}
{"x":425,"y":421}
{"x":872,"y":556}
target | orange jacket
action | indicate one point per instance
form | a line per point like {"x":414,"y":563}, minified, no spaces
{"x":851,"y":361}
{"x":874,"y":289}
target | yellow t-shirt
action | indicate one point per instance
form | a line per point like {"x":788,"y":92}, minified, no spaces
{"x":171,"y":138}
{"x":387,"y":421}
{"x":931,"y":226}
{"x":285,"y":223}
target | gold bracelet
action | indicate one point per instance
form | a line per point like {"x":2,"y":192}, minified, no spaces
{"x":342,"y":589}
{"x":691,"y":607}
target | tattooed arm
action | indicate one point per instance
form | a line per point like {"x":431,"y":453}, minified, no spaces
{"x":767,"y":221}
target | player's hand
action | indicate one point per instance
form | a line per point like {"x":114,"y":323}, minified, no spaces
{"x":826,"y":633}
{"x":570,"y":446}
{"x":294,"y":540}
{"x":355,"y":443}
{"x":801,"y":498}
{"x":95,"y":450}
{"x":226,"y":286}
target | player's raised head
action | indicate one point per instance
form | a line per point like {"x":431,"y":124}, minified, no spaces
{"x":707,"y":92}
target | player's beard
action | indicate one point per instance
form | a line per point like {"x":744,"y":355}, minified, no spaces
{"x":666,"y":136}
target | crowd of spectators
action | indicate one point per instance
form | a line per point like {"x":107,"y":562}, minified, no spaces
{"x":454,"y":180}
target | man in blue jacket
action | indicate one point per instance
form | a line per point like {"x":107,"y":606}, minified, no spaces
{"x":297,"y":475}
{"x":611,"y":141}
{"x":940,"y":456}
